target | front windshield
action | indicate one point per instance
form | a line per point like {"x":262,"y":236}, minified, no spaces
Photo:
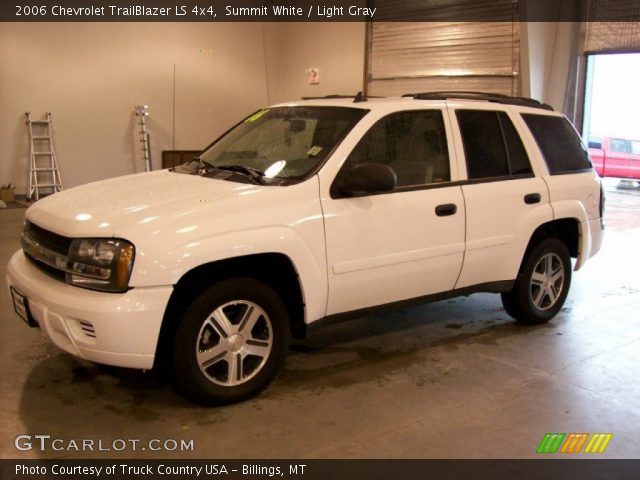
{"x":283,"y":142}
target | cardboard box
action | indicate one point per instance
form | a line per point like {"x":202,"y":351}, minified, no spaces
{"x":8,"y":194}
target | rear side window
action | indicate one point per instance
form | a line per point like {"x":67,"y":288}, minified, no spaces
{"x":492,"y":146}
{"x":559,"y":143}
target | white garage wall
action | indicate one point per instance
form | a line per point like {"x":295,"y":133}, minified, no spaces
{"x":91,"y":75}
{"x":337,"y":49}
{"x":547,"y":55}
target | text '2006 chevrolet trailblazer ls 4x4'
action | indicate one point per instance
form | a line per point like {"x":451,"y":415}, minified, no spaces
{"x":309,"y":212}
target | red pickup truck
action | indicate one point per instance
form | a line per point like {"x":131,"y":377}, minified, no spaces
{"x":615,"y":157}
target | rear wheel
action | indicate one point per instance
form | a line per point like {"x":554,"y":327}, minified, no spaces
{"x":542,"y":284}
{"x":230,"y":342}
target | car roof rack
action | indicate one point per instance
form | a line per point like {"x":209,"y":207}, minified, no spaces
{"x":357,"y":98}
{"x":489,"y":97}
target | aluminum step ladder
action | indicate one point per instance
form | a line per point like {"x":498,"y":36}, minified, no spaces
{"x":142,"y":112}
{"x":44,"y":174}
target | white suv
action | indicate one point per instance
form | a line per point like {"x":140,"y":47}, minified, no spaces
{"x":306,"y":213}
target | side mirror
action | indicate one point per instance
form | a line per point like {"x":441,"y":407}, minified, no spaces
{"x":369,"y":177}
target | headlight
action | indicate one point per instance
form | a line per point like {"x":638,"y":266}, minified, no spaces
{"x":100,"y":264}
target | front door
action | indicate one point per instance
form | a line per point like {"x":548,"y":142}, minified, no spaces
{"x":405,"y":243}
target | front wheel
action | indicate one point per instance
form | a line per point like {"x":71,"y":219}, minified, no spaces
{"x":542,"y":284}
{"x":230,"y":342}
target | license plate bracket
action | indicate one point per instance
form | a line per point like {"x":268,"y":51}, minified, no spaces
{"x":21,"y":306}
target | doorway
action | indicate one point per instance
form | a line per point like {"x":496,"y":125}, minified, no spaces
{"x":611,"y":126}
{"x":612,"y":96}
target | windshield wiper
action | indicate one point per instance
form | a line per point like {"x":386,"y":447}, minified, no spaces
{"x":256,"y":175}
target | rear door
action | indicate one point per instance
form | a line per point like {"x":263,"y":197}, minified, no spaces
{"x":504,"y":200}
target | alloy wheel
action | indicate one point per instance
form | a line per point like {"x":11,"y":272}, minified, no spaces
{"x":547,"y":281}
{"x":234,"y":343}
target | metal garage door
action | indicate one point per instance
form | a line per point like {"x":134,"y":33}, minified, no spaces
{"x":404,"y":57}
{"x":609,"y":28}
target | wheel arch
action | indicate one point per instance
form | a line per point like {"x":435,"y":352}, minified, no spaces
{"x":275,"y":269}
{"x":565,"y":229}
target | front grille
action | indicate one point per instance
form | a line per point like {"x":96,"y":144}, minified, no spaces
{"x":48,"y":239}
{"x":45,"y":245}
{"x":48,"y":269}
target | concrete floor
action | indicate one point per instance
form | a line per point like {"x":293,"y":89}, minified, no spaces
{"x":454,"y":379}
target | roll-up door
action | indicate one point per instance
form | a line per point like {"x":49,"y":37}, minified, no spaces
{"x":409,"y":57}
{"x":610,"y":28}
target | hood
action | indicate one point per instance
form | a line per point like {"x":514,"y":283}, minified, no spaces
{"x":115,"y":207}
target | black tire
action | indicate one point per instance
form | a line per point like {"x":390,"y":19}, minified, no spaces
{"x":240,"y":328}
{"x":542,"y":284}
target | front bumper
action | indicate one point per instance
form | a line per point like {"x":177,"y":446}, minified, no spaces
{"x":114,"y":329}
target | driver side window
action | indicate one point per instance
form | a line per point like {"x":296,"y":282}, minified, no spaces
{"x":413,"y":143}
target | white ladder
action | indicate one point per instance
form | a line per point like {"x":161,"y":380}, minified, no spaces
{"x":142,"y":112}
{"x":43,"y":166}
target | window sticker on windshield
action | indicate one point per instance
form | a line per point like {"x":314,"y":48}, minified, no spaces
{"x":313,"y":151}
{"x":256,"y":115}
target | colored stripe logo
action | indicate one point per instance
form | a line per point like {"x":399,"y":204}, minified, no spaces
{"x":550,"y":443}
{"x":574,"y":442}
{"x":598,"y":443}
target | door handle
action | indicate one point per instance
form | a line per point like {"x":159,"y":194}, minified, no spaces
{"x":446,"y":209}
{"x":531,"y":198}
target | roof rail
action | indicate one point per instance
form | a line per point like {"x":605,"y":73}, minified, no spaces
{"x":327,"y":97}
{"x":357,"y":98}
{"x":489,"y":97}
